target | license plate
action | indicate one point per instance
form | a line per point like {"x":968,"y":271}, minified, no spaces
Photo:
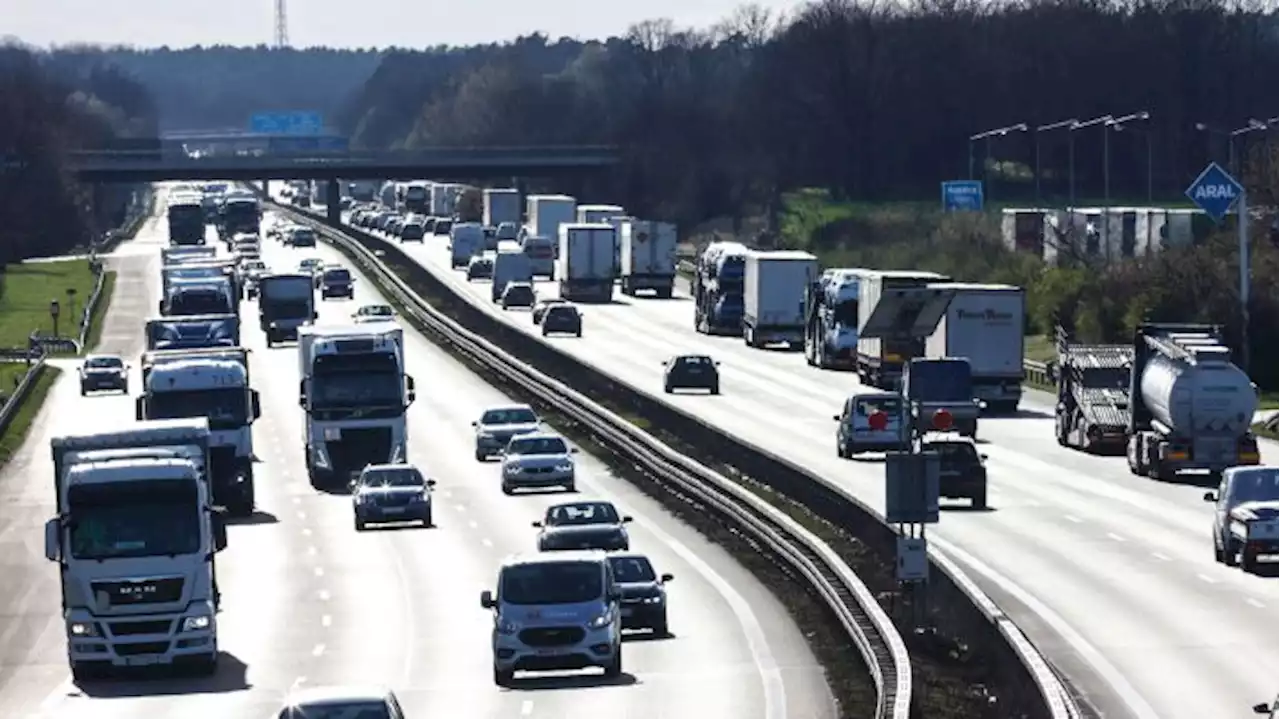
{"x":550,"y":652}
{"x":142,"y":660}
{"x":627,"y":611}
{"x":393,"y":510}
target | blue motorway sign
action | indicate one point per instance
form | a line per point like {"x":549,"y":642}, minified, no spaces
{"x":962,"y":196}
{"x":1215,"y":191}
{"x":287,"y":123}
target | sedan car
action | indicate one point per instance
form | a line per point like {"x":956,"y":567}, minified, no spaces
{"x":480,"y":268}
{"x":311,"y":266}
{"x":691,"y":372}
{"x":644,"y":593}
{"x":391,"y":493}
{"x":518,"y":294}
{"x":373,"y":313}
{"x":562,"y":319}
{"x":583,"y":525}
{"x":537,"y":460}
{"x":341,"y":702}
{"x":540,"y":309}
{"x":104,"y":372}
{"x":337,"y":282}
{"x":301,"y":237}
{"x":498,"y":425}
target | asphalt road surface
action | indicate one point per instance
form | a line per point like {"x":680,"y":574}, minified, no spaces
{"x":307,"y":601}
{"x":1112,"y":576}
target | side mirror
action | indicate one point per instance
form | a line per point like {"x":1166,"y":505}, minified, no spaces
{"x":716,"y":364}
{"x":139,"y":408}
{"x":1210,"y":496}
{"x":573,"y":450}
{"x":626,"y":518}
{"x":835,"y":417}
{"x":431,"y":483}
{"x":983,"y":456}
{"x":666,"y":578}
{"x":486,"y":599}
{"x":537,"y":524}
{"x":219,"y":533}
{"x":52,"y":540}
{"x":664,"y":363}
{"x":255,"y":403}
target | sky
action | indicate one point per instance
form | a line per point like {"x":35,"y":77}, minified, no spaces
{"x":341,"y":23}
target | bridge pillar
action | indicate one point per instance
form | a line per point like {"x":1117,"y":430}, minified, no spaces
{"x":266,"y":187}
{"x":333,"y":201}
{"x":522,"y":186}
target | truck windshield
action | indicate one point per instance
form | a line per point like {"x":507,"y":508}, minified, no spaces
{"x":189,"y":302}
{"x":551,"y":583}
{"x":356,"y":381}
{"x":1106,"y":378}
{"x":174,"y":335}
{"x":1256,"y":485}
{"x":134,"y":519}
{"x":941,"y":381}
{"x":225,"y":408}
{"x":845,"y":314}
{"x":733,"y":268}
{"x":286,"y":309}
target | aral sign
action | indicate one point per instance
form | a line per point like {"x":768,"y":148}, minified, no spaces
{"x":1215,"y":191}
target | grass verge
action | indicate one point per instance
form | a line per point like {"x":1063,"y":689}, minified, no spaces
{"x":26,"y":291}
{"x":1268,"y":401}
{"x":99,"y":314}
{"x":13,"y":437}
{"x":1262,"y":430}
{"x":957,"y":676}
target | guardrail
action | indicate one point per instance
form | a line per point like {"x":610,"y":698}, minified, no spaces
{"x":15,"y":400}
{"x":868,"y":626}
{"x":820,"y":496}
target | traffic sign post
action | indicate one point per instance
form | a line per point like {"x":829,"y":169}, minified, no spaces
{"x":54,"y":311}
{"x":962,"y":196}
{"x":911,"y":502}
{"x":1215,"y":191}
{"x":286,"y":123}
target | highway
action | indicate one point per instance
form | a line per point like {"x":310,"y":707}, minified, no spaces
{"x":307,"y":601}
{"x":1112,"y":576}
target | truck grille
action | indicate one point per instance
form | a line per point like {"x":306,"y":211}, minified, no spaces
{"x":136,"y":648}
{"x":123,"y":629}
{"x":552,"y":636}
{"x":360,"y":447}
{"x":145,"y":591}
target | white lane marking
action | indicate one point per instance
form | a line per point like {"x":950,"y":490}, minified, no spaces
{"x":1072,"y":518}
{"x":1104,"y":668}
{"x":306,"y":531}
{"x":319,"y":571}
{"x":1206,"y":579}
{"x":473,"y":524}
{"x":1033,"y":503}
{"x":311,"y":551}
{"x":324,"y":595}
{"x":1115,"y":536}
{"x":1161,"y":557}
{"x":486,"y":542}
{"x":460,"y":507}
{"x":1253,"y":602}
{"x":302,"y":515}
{"x":317,"y":650}
{"x":526,"y":708}
{"x":297,"y":683}
{"x":297,"y":500}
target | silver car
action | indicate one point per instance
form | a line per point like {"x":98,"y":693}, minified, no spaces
{"x":498,"y":425}
{"x":537,"y":460}
{"x":391,"y":493}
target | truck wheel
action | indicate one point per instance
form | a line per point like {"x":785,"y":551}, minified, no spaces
{"x":207,"y":665}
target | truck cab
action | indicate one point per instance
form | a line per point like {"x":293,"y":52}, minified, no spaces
{"x":195,"y":331}
{"x":1246,"y":518}
{"x":872,"y":422}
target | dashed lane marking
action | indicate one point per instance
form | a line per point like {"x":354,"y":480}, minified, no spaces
{"x":1161,"y":557}
{"x":486,"y":542}
{"x":324,"y":595}
{"x":319,"y":571}
{"x":1254,"y":602}
{"x":317,"y":650}
{"x":1206,"y":579}
{"x":526,"y":708}
{"x":1072,"y":518}
{"x":1115,"y":536}
{"x":326,"y":620}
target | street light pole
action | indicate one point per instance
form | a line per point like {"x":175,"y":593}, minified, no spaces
{"x":1045,"y":128}
{"x":1253,"y":126}
{"x":1106,"y":150}
{"x":1118,"y":124}
{"x":987,"y":135}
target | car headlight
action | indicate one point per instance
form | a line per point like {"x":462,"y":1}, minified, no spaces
{"x":601,"y":621}
{"x":503,"y":626}
{"x":484,"y":435}
{"x":655,"y":599}
{"x":333,"y":434}
{"x":197,"y":623}
{"x":418,"y":498}
{"x":513,"y":469}
{"x":565,"y":466}
{"x":83,"y":629}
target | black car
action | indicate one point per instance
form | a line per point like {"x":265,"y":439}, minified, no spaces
{"x":583,"y":525}
{"x":411,"y":232}
{"x":337,"y":282}
{"x":644,"y":593}
{"x":442,"y":227}
{"x":691,"y":372}
{"x":518,"y":294}
{"x":104,"y":372}
{"x":562,"y":319}
{"x":480,"y":268}
{"x":962,"y":473}
{"x":540,"y":309}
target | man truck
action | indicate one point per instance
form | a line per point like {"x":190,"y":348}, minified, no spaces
{"x":186,"y":221}
{"x":192,"y":332}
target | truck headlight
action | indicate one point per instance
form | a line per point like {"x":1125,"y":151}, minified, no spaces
{"x":196,"y":624}
{"x":82,"y":629}
{"x":601,"y":621}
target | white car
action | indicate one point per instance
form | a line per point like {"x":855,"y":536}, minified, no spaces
{"x":346,"y":702}
{"x":373,"y":313}
{"x":537,"y":460}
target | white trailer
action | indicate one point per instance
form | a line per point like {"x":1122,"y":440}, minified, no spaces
{"x":545,"y":213}
{"x":773,"y":294}
{"x":501,"y":205}
{"x":134,"y":538}
{"x":984,"y":324}
{"x":584,"y":267}
{"x":647,"y":256}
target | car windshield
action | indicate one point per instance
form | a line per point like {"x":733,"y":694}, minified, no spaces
{"x":337,"y":710}
{"x":551,"y":583}
{"x":303,"y":235}
{"x":632,"y":569}
{"x":581,"y":513}
{"x":1260,"y":484}
{"x":517,"y":415}
{"x":398,"y":477}
{"x":376,"y":311}
{"x":537,"y":445}
{"x":953,"y":451}
{"x":338,"y":275}
{"x":694,"y":362}
{"x":104,"y":363}
{"x":515,"y":291}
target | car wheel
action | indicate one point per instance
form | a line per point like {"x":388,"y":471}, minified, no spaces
{"x":503,"y":677}
{"x":614,"y":669}
{"x":571,"y":487}
{"x":83,"y":392}
{"x":715,"y":389}
{"x":667,"y":388}
{"x":426,"y":519}
{"x":660,"y":627}
{"x":481,"y":456}
{"x":506,"y":489}
{"x":360,"y":525}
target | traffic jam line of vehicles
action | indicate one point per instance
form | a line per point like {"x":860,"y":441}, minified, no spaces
{"x":139,"y":580}
{"x":1171,"y":400}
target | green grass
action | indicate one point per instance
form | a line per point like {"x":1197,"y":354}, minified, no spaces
{"x":1269,"y":400}
{"x":1261,"y":430}
{"x":1039,"y":348}
{"x":13,"y":437}
{"x":100,"y":312}
{"x":26,"y":291}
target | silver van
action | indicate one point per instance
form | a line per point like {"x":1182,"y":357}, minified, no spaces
{"x":555,"y":611}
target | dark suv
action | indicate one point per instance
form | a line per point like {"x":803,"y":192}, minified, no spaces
{"x":962,"y":473}
{"x":518,"y":294}
{"x":691,"y":372}
{"x":562,"y":318}
{"x":337,"y":282}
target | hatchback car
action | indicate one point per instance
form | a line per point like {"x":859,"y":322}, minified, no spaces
{"x":391,"y":493}
{"x":691,"y":372}
{"x":480,"y":268}
{"x":962,"y":472}
{"x":337,"y":282}
{"x":104,"y":372}
{"x":518,"y":294}
{"x":373,"y":313}
{"x":644,"y":593}
{"x":540,"y":309}
{"x":562,"y":319}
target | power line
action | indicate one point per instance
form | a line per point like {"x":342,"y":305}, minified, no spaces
{"x":282,"y":25}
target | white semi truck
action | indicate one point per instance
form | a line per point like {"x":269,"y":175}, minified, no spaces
{"x":355,"y":394}
{"x":647,"y":256}
{"x":774,"y":287}
{"x":178,"y":255}
{"x":501,"y":205}
{"x":215,"y":386}
{"x":984,"y":324}
{"x":584,"y":265}
{"x":135,"y":537}
{"x":896,"y":313}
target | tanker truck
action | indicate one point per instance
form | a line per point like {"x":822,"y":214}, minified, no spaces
{"x":1190,"y":406}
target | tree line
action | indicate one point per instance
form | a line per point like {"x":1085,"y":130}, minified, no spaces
{"x":49,"y":107}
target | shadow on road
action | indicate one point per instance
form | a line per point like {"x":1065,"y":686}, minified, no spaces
{"x":230,"y":677}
